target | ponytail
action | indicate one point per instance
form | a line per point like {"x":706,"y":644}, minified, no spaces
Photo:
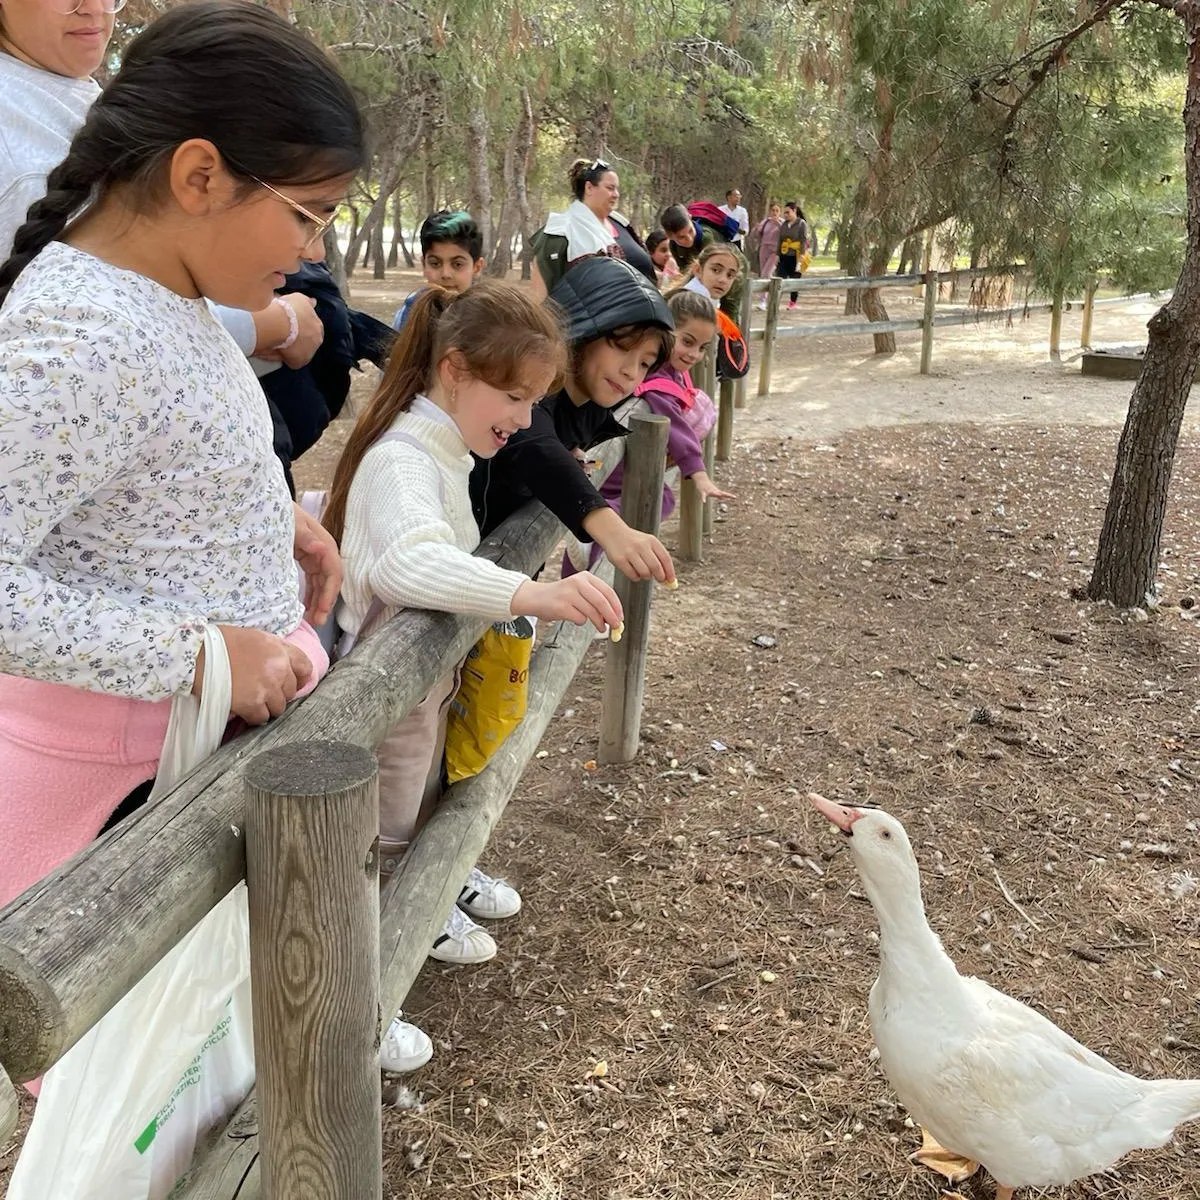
{"x":197,"y":72}
{"x":494,"y":331}
{"x":68,"y":187}
{"x":408,"y":373}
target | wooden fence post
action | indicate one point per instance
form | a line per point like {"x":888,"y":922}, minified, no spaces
{"x":694,"y":519}
{"x":1056,"y":312}
{"x":931,"y":292}
{"x":768,"y":346}
{"x":625,"y":664}
{"x":10,"y":1110}
{"x":710,"y":505}
{"x":745,"y":319}
{"x":1089,"y":308}
{"x":726,"y":405}
{"x":312,"y":872}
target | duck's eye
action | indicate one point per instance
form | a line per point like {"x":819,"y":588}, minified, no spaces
{"x":887,"y":833}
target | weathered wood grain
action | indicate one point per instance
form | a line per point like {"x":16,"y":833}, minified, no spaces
{"x":769,"y":333}
{"x":78,"y":940}
{"x":625,"y":662}
{"x":415,"y":902}
{"x":227,"y":1169}
{"x":312,"y":874}
{"x":10,"y":1108}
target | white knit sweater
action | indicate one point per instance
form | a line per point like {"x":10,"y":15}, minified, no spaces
{"x":409,"y":528}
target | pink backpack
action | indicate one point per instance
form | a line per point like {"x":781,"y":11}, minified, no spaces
{"x":698,"y":409}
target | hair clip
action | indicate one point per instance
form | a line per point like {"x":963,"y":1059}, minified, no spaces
{"x":598,"y":164}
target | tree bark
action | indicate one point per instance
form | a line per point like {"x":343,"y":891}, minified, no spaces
{"x":479,"y":177}
{"x":1131,"y":538}
{"x":516,"y":213}
{"x":377,"y":250}
{"x":872,"y":300}
{"x":335,"y":262}
{"x":393,"y":258}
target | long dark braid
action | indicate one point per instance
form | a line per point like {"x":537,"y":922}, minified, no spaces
{"x":68,"y":187}
{"x":232,"y":73}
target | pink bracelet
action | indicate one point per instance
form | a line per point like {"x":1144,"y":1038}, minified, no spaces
{"x":293,"y":324}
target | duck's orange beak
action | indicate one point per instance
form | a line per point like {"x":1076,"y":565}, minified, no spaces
{"x":838,"y":814}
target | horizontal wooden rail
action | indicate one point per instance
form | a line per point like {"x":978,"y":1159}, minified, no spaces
{"x":848,"y":283}
{"x":77,"y":941}
{"x":839,"y":328}
{"x":416,"y":899}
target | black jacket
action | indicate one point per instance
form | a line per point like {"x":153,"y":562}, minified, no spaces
{"x":537,"y":464}
{"x":304,"y":401}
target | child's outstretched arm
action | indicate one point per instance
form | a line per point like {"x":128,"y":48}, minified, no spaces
{"x":580,"y":598}
{"x":635,"y":554}
{"x":707,"y":487}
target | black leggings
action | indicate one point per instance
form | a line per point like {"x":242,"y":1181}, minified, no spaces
{"x":789,"y":268}
{"x":131,"y":803}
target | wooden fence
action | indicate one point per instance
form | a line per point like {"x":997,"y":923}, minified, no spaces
{"x":293,"y":809}
{"x":929,"y":320}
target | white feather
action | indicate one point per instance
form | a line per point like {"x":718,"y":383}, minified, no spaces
{"x":988,"y":1076}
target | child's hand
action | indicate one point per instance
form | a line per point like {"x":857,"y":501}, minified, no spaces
{"x":578,"y":598}
{"x":708,"y":489}
{"x":266,"y":673}
{"x":317,"y":553}
{"x":638,"y":555}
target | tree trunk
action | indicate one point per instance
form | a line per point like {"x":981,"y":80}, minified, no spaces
{"x":872,"y":301}
{"x":516,"y":213}
{"x":389,"y":181}
{"x":336,"y":262}
{"x":1131,"y":538}
{"x":393,"y":259}
{"x":430,"y":179}
{"x":377,"y":250}
{"x":479,"y":179}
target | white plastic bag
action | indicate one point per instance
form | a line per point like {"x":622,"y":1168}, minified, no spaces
{"x":120,"y":1113}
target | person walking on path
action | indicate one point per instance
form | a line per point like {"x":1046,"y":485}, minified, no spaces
{"x":766,"y":243}
{"x":793,"y":245}
{"x":733,"y":207}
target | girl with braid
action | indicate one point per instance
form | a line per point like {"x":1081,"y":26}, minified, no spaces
{"x":140,"y":501}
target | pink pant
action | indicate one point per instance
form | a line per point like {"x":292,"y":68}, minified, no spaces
{"x":68,"y":757}
{"x":410,"y":770}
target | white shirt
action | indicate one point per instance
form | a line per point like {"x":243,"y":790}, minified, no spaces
{"x":140,"y":497}
{"x":40,"y":113}
{"x":410,"y":530}
{"x":742,"y":216}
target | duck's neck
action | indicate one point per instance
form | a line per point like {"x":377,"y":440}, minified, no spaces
{"x":908,"y":948}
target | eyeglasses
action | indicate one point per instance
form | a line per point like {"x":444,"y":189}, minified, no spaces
{"x":598,"y":164}
{"x":68,"y":8}
{"x":321,"y":224}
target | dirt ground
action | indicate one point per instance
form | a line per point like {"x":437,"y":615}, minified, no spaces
{"x":910,"y":544}
{"x":680,"y":1009}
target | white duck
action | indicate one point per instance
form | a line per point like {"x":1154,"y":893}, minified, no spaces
{"x":986,"y":1075}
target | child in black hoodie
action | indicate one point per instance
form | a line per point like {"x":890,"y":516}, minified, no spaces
{"x":620,"y":329}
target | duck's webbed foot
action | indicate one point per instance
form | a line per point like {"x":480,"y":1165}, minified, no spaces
{"x":955,"y":1167}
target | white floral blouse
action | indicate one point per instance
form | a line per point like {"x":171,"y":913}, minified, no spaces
{"x":139,"y":495}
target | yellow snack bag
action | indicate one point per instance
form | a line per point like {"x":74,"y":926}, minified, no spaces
{"x":491,"y":698}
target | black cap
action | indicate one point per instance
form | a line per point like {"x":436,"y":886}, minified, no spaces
{"x":598,"y":295}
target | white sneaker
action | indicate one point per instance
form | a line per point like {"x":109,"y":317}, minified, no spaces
{"x":462,"y":942}
{"x":487,"y":898}
{"x":404,"y":1048}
